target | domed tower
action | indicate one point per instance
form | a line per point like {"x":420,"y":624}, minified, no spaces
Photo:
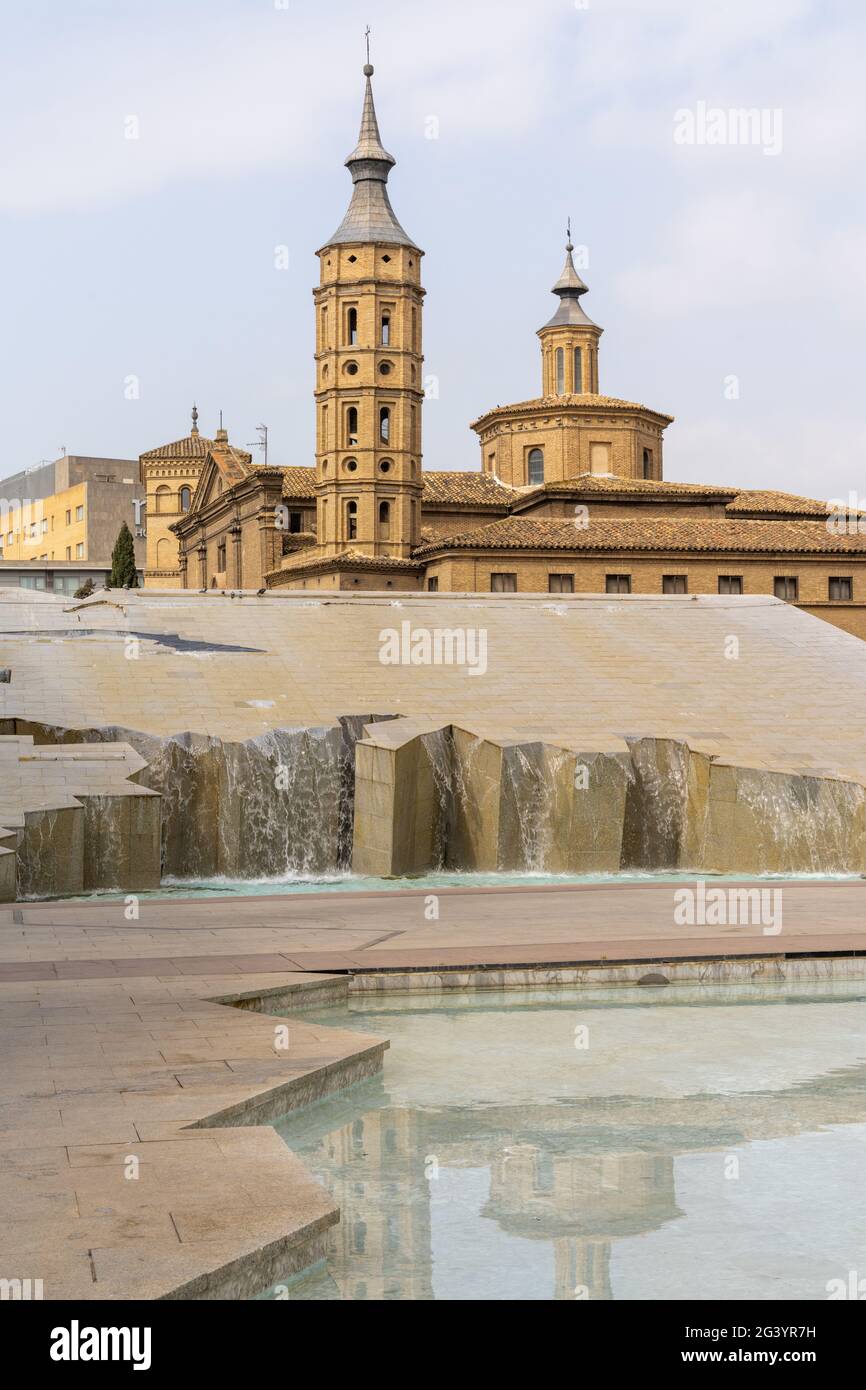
{"x":369,"y":390}
{"x":569,"y":341}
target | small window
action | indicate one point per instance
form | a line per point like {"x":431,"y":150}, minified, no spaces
{"x":221,"y":557}
{"x":647,"y":463}
{"x":730,"y":583}
{"x":433,"y":586}
{"x":79,"y":551}
{"x":386,"y":330}
{"x":535,"y":467}
{"x":560,"y":583}
{"x":352,"y":327}
{"x":785,"y":586}
{"x":385,"y":466}
{"x":385,"y":425}
{"x":44,"y":525}
{"x":385,"y":368}
{"x":503,"y":583}
{"x":68,"y":517}
{"x":617,"y":583}
{"x":560,"y":372}
{"x":79,"y":513}
{"x":841,"y":589}
{"x":185,"y":499}
{"x":578,"y":371}
{"x":384,"y":520}
{"x":352,"y":425}
{"x":351,"y":521}
{"x":351,"y":369}
{"x":295,"y":523}
{"x":69,"y":552}
{"x":674,"y":584}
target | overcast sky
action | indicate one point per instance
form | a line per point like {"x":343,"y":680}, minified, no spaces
{"x":154,"y":258}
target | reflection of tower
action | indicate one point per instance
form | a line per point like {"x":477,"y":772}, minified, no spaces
{"x":580,"y":1202}
{"x":375,"y":1169}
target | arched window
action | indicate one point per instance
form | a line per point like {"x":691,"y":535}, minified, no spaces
{"x":384,"y":520}
{"x":385,"y":424}
{"x":352,"y":326}
{"x":560,"y":372}
{"x":351,"y":521}
{"x":647,"y":463}
{"x":386,"y":330}
{"x":535,"y":465}
{"x":162,"y":499}
{"x":352,"y":425}
{"x":578,"y":370}
{"x":185,"y":499}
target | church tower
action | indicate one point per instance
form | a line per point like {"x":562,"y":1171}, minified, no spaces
{"x":569,"y":341}
{"x":369,"y":390}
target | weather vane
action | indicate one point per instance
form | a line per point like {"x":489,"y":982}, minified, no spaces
{"x":367,"y":33}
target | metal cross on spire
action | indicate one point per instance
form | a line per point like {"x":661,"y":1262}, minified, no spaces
{"x":367,"y":33}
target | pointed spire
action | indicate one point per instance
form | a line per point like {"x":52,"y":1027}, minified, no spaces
{"x":569,"y":287}
{"x":370,"y":217}
{"x":194,"y":430}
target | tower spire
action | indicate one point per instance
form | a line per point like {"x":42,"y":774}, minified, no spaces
{"x":569,"y":288}
{"x":370,"y":217}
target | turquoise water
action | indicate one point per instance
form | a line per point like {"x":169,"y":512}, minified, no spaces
{"x":356,"y":883}
{"x":683,"y":1143}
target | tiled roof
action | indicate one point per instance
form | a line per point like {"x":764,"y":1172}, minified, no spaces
{"x":465,"y":489}
{"x":234,"y":464}
{"x":349,"y":560}
{"x":611,"y":484}
{"x":299,"y":482}
{"x":193,"y":446}
{"x":551,"y":403}
{"x":749,"y":502}
{"x":656,"y":533}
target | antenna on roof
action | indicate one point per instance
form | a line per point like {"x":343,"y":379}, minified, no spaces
{"x":261,"y":442}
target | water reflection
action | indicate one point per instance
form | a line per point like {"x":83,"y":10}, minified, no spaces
{"x":641,"y":1169}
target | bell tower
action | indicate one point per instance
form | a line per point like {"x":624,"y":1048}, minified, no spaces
{"x":569,"y":341}
{"x":369,"y":389}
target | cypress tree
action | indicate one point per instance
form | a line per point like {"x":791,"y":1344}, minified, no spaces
{"x":123,"y":561}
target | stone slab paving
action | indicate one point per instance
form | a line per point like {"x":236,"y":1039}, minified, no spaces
{"x":115,"y":1048}
{"x":121,"y":1172}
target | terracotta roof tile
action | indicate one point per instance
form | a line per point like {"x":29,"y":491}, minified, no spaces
{"x":468,"y":488}
{"x":656,"y":533}
{"x":193,"y":446}
{"x":750,"y":502}
{"x":299,"y":482}
{"x":551,"y":403}
{"x":613,"y":484}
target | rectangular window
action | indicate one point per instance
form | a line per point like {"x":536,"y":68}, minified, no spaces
{"x":295,"y":522}
{"x":79,"y":513}
{"x":730,"y":583}
{"x":221,"y":557}
{"x":785,"y":586}
{"x":69,"y":552}
{"x":68,"y":517}
{"x":674,"y":584}
{"x":841,"y":589}
{"x":578,"y":372}
{"x":45,"y":525}
{"x":433,"y":586}
{"x":560,"y":583}
{"x":79,"y":551}
{"x":503,"y":583}
{"x":617,"y":584}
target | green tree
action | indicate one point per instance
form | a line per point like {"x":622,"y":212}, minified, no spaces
{"x":123,"y":561}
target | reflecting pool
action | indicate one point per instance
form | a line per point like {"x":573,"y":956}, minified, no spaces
{"x":645,"y":1143}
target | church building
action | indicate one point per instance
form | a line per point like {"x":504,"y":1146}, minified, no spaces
{"x":570,"y":495}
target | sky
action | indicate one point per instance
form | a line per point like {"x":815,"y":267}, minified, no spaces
{"x":155,"y":158}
